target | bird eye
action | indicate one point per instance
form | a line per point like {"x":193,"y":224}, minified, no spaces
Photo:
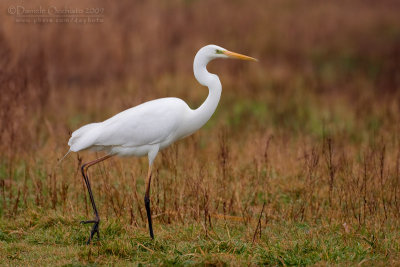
{"x":217,"y":51}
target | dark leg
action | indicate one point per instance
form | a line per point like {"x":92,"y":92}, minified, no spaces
{"x":96,"y":221}
{"x":147,"y":202}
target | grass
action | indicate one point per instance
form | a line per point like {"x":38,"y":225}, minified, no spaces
{"x":331,"y":197}
{"x":40,"y":239}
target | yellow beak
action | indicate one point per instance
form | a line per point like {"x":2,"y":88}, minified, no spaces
{"x":238,"y":56}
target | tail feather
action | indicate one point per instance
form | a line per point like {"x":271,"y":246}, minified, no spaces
{"x":84,"y":137}
{"x":63,"y":157}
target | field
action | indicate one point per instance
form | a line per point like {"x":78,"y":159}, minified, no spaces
{"x":299,"y":165}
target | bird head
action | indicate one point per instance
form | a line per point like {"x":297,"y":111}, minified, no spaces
{"x":213,"y":51}
{"x":208,"y":53}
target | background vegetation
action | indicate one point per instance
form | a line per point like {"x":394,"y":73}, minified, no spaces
{"x":299,"y":165}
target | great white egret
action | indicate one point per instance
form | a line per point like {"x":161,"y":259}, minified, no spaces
{"x":151,"y":126}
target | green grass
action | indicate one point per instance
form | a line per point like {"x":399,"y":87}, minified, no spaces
{"x":53,"y":239}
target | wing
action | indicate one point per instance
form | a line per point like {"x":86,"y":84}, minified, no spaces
{"x":149,"y":123}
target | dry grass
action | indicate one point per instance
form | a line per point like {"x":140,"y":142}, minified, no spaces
{"x":311,"y":131}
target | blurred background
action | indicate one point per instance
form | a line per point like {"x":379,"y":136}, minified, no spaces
{"x":296,"y":129}
{"x":326,"y":59}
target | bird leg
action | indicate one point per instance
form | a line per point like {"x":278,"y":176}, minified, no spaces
{"x":147,"y":202}
{"x":96,"y":221}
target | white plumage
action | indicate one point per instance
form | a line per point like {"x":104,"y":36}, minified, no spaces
{"x":136,"y":131}
{"x":151,"y":126}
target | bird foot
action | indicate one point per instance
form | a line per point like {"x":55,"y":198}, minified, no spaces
{"x":95,"y":229}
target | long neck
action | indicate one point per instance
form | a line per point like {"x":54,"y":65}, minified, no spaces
{"x":202,"y":114}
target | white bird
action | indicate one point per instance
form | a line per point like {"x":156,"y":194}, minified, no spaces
{"x":149,"y":127}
